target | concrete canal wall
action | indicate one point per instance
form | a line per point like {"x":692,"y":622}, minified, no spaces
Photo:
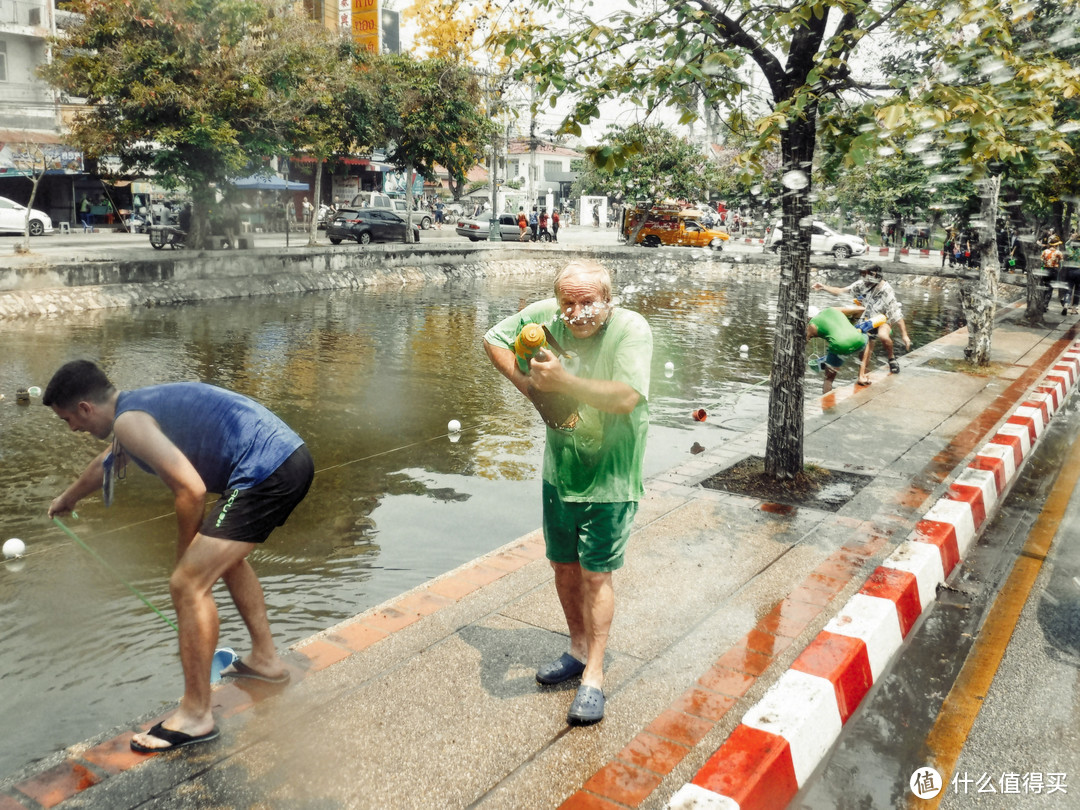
{"x":34,"y":288}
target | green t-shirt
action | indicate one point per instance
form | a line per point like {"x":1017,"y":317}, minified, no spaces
{"x":833,"y":325}
{"x":600,"y":461}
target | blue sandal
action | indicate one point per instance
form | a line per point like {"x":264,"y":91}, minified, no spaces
{"x":587,"y":708}
{"x":564,"y":669}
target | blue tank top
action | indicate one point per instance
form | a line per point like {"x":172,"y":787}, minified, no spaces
{"x":232,"y":441}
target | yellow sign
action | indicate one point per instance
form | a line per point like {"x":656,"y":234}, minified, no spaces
{"x":366,"y":29}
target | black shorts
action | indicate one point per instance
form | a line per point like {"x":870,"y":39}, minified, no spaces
{"x":249,"y":515}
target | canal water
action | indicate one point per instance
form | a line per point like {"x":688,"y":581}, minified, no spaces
{"x":370,"y":380}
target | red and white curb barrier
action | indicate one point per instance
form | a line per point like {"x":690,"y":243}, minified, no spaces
{"x":787,"y":734}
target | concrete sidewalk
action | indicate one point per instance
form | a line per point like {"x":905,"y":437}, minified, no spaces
{"x":430,"y":700}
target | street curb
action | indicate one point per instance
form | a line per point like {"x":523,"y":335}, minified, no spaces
{"x":788,"y":733}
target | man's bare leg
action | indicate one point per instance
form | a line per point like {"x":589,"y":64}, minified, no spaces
{"x":830,"y":375}
{"x":863,"y":379}
{"x":570,"y":588}
{"x":599,"y":610}
{"x":885,"y":333}
{"x":202,"y":563}
{"x":247,"y":595}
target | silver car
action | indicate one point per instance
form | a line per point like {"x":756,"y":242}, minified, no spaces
{"x":477,"y":229}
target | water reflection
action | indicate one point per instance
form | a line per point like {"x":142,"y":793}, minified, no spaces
{"x":370,"y":380}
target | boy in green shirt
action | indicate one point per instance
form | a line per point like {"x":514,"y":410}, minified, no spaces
{"x":592,"y":473}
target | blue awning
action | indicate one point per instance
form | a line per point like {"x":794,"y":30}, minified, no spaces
{"x":270,"y":183}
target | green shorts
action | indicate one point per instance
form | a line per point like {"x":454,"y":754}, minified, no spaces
{"x":591,"y":534}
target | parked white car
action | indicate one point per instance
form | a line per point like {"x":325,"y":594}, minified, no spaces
{"x":372,"y":199}
{"x":823,"y":239}
{"x":13,"y":219}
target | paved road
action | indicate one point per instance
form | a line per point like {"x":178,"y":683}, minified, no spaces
{"x":985,"y":690}
{"x":79,"y":245}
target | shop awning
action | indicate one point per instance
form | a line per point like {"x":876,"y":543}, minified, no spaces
{"x":22,"y":152}
{"x":348,"y":161}
{"x":269,"y":183}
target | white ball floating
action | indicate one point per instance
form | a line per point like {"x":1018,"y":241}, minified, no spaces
{"x":453,"y":426}
{"x":744,"y":349}
{"x":669,"y":366}
{"x":14,"y":548}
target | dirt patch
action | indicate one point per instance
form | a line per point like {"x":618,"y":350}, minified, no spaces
{"x":816,"y":487}
{"x":964,"y":367}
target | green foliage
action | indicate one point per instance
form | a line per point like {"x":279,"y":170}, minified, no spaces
{"x":989,"y":95}
{"x":647,"y":162}
{"x":436,"y":116}
{"x":171,"y":86}
{"x":898,"y":186}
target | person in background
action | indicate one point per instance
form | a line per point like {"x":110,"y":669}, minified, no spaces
{"x":876,"y":296}
{"x":555,"y":225}
{"x":947,"y":249}
{"x":523,"y":225}
{"x":592,"y":473}
{"x":843,"y":338}
{"x":1017,"y":259}
{"x":196,"y":438}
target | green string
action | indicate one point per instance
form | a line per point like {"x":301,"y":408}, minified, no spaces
{"x":115,"y":573}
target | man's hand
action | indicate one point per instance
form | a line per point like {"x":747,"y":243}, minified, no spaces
{"x":86,"y":484}
{"x":546,"y":372}
{"x":61,"y":505}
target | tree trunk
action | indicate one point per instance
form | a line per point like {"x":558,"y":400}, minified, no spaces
{"x":313,"y":226}
{"x":410,"y":178}
{"x":979,"y":295}
{"x":898,"y":235}
{"x":1038,"y":289}
{"x":784,"y":446}
{"x":202,"y":200}
{"x":25,"y":246}
{"x":1057,"y":218}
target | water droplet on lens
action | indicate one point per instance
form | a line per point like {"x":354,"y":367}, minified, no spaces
{"x":795,"y":179}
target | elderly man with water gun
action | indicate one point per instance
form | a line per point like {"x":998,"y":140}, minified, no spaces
{"x":592,"y":470}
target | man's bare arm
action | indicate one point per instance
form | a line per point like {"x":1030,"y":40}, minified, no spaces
{"x":505,"y":361}
{"x":140,"y":435}
{"x":88,"y":482}
{"x":610,"y":396}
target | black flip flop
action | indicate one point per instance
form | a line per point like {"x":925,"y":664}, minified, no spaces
{"x":175,"y":739}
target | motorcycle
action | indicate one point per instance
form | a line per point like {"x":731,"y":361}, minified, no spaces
{"x":162,"y":235}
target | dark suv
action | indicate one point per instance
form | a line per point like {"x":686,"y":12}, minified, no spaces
{"x":367,"y":225}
